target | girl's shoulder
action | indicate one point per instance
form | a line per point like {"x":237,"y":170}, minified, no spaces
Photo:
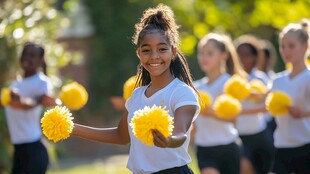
{"x":181,"y":87}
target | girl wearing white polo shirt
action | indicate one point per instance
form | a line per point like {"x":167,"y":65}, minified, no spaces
{"x":23,"y":113}
{"x":292,"y":135}
{"x":257,"y":143}
{"x":217,"y":151}
{"x":165,"y":80}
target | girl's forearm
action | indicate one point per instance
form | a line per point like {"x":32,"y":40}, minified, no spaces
{"x":105,"y":135}
{"x":177,"y":140}
{"x":253,"y":111}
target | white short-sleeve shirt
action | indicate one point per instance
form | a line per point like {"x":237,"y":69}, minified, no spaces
{"x":291,"y":132}
{"x":145,"y":159}
{"x":211,"y":131}
{"x":254,"y":123}
{"x":24,"y":125}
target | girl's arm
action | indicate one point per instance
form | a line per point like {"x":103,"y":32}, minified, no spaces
{"x":21,"y":103}
{"x":182,"y":121}
{"x":49,"y":101}
{"x":115,"y":135}
{"x":253,"y":111}
{"x":29,"y":103}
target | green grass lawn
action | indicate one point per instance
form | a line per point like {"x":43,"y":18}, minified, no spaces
{"x":112,"y":165}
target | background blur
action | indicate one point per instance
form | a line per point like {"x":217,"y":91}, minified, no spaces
{"x":89,"y":41}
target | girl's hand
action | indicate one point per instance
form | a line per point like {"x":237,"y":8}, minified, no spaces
{"x":49,"y":101}
{"x":15,"y":99}
{"x":297,"y":113}
{"x":257,"y":97}
{"x":160,"y":140}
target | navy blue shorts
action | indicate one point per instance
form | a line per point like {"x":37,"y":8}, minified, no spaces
{"x":292,"y":160}
{"x":176,"y":170}
{"x":224,"y":158}
{"x":30,"y":158}
{"x":259,"y":149}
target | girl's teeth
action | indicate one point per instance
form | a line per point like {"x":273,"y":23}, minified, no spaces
{"x":155,"y":64}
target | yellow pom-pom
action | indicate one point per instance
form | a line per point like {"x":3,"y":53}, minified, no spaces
{"x":257,"y":87}
{"x":226,"y":107}
{"x":129,"y":86}
{"x":277,"y":103}
{"x":149,"y":118}
{"x":57,"y":123}
{"x":5,"y":96}
{"x":237,"y":87}
{"x":73,"y":95}
{"x":205,"y":99}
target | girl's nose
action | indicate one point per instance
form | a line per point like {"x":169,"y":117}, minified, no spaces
{"x":155,"y":55}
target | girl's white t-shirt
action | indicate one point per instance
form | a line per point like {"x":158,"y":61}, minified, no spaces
{"x":24,"y":125}
{"x":211,"y":131}
{"x":253,"y":123}
{"x":145,"y":159}
{"x":291,"y":132}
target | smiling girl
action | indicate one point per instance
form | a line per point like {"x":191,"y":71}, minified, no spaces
{"x":165,"y":80}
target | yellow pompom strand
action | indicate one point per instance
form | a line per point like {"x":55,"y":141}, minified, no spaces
{"x":277,"y":103}
{"x":205,"y":99}
{"x":73,"y":95}
{"x":237,"y":87}
{"x":129,"y":86}
{"x":149,"y":118}
{"x":226,"y":107}
{"x":257,"y":87}
{"x":57,"y":123}
{"x":5,"y":96}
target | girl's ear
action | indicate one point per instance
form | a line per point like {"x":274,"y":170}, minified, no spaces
{"x":174,"y":51}
{"x":224,"y":56}
{"x":138,"y":53}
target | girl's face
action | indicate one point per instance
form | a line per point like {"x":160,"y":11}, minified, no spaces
{"x":292,"y":49}
{"x":210,"y":57}
{"x":155,"y":53}
{"x":30,"y":59}
{"x":247,"y":58}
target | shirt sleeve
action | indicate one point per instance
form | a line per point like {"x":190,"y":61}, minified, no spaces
{"x":183,"y":96}
{"x":46,"y":88}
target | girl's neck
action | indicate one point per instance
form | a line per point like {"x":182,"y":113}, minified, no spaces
{"x":29,"y":74}
{"x":297,"y":69}
{"x":161,"y":81}
{"x":214,"y":75}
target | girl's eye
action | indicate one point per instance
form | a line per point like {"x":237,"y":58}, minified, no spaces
{"x":145,"y":51}
{"x":163,"y":49}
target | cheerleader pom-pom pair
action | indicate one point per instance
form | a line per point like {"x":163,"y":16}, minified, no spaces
{"x":241,"y":89}
{"x":57,"y":123}
{"x":225,"y":106}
